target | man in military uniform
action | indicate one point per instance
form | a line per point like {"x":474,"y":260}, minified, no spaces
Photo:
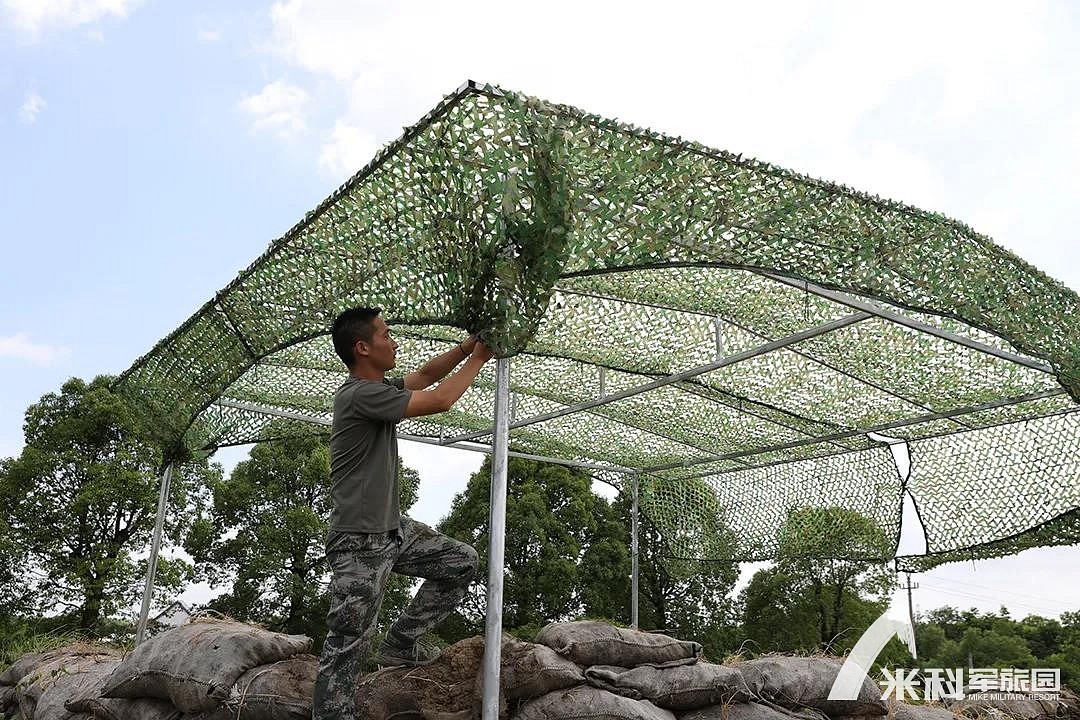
{"x":368,"y":537}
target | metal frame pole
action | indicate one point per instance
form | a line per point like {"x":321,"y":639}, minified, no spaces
{"x":151,"y":562}
{"x":634,"y":554}
{"x":496,"y":542}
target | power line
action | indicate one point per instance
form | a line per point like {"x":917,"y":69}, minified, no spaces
{"x":986,"y":598}
{"x":994,"y":590}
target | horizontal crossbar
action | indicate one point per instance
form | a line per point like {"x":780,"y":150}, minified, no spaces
{"x":317,"y":420}
{"x":679,"y":376}
{"x":869,"y":307}
{"x":944,"y":415}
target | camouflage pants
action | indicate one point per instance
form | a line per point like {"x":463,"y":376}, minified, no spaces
{"x":361,"y":565}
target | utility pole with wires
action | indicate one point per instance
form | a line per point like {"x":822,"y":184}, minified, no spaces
{"x":910,"y":608}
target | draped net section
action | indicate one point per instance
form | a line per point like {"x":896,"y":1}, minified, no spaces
{"x":738,"y":339}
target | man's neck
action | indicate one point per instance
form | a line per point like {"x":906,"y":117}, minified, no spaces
{"x":367,"y":373}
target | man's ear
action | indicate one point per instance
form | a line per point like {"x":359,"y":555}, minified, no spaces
{"x":361,"y":348}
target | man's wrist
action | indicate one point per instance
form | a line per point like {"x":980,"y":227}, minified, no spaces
{"x":463,"y":350}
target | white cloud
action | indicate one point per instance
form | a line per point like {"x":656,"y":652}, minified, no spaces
{"x":889,"y":171}
{"x":943,"y":107}
{"x":21,"y":347}
{"x":348,"y":149}
{"x":279,"y":108}
{"x":209,"y":34}
{"x":30,"y":108}
{"x":32,"y":17}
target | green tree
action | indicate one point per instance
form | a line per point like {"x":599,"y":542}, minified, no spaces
{"x":829,"y":575}
{"x":774,"y":617}
{"x":1068,"y":655}
{"x":995,"y":648}
{"x":80,"y":498}
{"x":605,"y":565}
{"x":824,"y":549}
{"x":568,"y":555}
{"x":1043,"y":636}
{"x":551,"y":513}
{"x":265,"y":536}
{"x":686,"y":598}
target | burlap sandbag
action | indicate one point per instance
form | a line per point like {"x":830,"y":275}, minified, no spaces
{"x":26,"y":663}
{"x":13,"y":674}
{"x":684,"y":687}
{"x":529,"y":670}
{"x":798,"y":682}
{"x":584,"y":702}
{"x":43,"y":691}
{"x":588,"y":643}
{"x":195,"y":665}
{"x":9,"y":701}
{"x":750,"y":711}
{"x":903,"y":711}
{"x":279,"y":691}
{"x":86,"y":699}
{"x":127,"y":708}
{"x":451,"y":686}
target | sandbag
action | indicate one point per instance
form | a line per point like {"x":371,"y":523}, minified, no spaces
{"x":195,"y":665}
{"x":451,"y":686}
{"x":28,"y":662}
{"x":43,"y":691}
{"x":126,"y":708}
{"x":588,"y":643}
{"x":529,"y":670}
{"x":903,"y":711}
{"x":749,"y":711}
{"x":279,"y":691}
{"x":683,"y":687}
{"x":52,"y":705}
{"x":592,"y":703}
{"x":798,"y":682}
{"x":8,"y":700}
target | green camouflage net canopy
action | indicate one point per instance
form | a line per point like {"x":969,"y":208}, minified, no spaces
{"x":749,"y":343}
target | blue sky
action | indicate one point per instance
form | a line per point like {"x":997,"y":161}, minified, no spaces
{"x":151,"y":150}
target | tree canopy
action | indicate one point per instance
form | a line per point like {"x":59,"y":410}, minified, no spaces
{"x":568,"y":556}
{"x":80,"y":500}
{"x":264,"y":535}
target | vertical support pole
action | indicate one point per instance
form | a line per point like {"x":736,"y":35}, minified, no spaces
{"x":718,"y":337}
{"x":496,"y":543}
{"x":634,"y":554}
{"x":911,"y":611}
{"x":151,"y":562}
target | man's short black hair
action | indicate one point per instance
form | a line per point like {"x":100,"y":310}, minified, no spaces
{"x":352,"y":325}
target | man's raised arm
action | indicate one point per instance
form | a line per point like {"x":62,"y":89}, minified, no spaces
{"x":442,"y":398}
{"x":440,"y":366}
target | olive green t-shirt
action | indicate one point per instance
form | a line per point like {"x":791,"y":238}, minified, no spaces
{"x":363,"y":455}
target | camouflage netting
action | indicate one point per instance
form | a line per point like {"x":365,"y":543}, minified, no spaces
{"x":791,"y":318}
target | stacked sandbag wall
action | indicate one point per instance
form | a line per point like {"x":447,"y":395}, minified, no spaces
{"x":205,"y":670}
{"x":220,"y":669}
